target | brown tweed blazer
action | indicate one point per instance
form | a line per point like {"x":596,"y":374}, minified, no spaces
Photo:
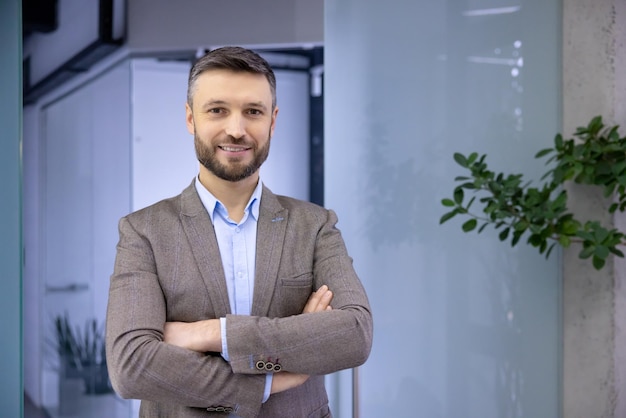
{"x":168,"y":268}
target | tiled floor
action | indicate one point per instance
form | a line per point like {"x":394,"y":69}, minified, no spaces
{"x":31,"y":411}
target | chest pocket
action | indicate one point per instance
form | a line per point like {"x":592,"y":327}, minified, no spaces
{"x":294,"y":292}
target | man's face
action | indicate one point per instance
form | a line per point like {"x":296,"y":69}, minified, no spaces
{"x":232,"y":122}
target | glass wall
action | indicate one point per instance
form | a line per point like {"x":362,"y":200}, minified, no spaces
{"x":465,"y":325}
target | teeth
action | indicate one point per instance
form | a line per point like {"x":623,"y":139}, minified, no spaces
{"x":232,"y":149}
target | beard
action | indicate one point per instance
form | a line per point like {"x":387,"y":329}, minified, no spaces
{"x":235,"y":170}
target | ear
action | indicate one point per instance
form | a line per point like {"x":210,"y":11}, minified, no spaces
{"x":189,"y":119}
{"x":273,"y":125}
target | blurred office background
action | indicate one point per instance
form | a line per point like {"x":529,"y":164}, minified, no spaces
{"x":374,"y":97}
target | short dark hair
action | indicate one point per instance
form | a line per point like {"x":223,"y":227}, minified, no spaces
{"x":232,"y":58}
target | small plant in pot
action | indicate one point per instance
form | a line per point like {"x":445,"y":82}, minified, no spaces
{"x":82,"y":353}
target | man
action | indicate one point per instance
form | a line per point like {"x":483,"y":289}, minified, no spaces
{"x":228,"y":299}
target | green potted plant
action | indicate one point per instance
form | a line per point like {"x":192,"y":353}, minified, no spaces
{"x":596,"y":156}
{"x":82,"y":354}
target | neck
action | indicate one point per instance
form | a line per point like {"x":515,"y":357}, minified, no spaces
{"x":233,"y":195}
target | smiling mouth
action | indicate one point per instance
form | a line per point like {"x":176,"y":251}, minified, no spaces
{"x":230,"y":148}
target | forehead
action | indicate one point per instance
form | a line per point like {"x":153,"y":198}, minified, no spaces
{"x":227,"y":85}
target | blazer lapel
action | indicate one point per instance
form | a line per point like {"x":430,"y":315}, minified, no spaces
{"x":201,"y":235}
{"x":270,"y":237}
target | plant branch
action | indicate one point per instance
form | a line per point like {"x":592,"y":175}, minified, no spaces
{"x":595,"y":156}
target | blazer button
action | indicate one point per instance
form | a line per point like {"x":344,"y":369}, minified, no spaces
{"x":260,"y":365}
{"x":277,"y":367}
{"x":269,"y":366}
{"x":219,"y":409}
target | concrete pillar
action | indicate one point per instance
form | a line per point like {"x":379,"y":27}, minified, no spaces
{"x":594,"y":302}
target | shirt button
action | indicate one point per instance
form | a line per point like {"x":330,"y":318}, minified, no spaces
{"x":237,"y":230}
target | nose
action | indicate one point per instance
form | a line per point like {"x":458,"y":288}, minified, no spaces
{"x":235,"y":126}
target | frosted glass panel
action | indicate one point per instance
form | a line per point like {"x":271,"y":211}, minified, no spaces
{"x":465,"y":326}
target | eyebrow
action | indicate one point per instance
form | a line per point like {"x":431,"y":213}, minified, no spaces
{"x":212,"y":103}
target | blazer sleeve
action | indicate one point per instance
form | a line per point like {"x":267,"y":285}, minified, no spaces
{"x":315,"y":343}
{"x":141,"y":365}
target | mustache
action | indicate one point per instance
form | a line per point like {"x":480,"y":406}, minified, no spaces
{"x":235,"y":141}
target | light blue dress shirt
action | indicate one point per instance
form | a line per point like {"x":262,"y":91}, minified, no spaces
{"x":237,"y":243}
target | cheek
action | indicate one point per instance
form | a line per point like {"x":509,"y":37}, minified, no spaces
{"x":204,"y":130}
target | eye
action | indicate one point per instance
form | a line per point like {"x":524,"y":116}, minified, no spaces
{"x":216,"y":110}
{"x":255,"y":112}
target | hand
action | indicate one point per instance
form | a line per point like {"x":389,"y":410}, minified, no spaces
{"x":200,"y":336}
{"x":286,"y":380}
{"x":319,"y":301}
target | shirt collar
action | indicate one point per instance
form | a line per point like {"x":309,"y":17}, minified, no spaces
{"x":211,"y":204}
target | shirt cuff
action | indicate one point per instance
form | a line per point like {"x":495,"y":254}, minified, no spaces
{"x":224,"y":342}
{"x":268,"y":386}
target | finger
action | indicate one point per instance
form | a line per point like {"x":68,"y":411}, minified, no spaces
{"x":314,"y":300}
{"x":324,"y":302}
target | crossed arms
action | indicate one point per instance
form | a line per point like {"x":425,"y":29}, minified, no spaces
{"x":205,"y":336}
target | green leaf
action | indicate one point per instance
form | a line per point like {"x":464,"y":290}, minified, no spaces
{"x":448,"y":202}
{"x":447,"y":216}
{"x":516,"y":237}
{"x":558,"y":141}
{"x":469,"y":225}
{"x":458,"y":196}
{"x":460,"y":160}
{"x":587,"y":252}
{"x":600,"y":234}
{"x":601,"y":251}
{"x":544,"y":152}
{"x":468,"y":185}
{"x":520,"y":225}
{"x":598,"y":262}
{"x":504,"y":234}
{"x":564,"y":241}
{"x":570,"y":227}
{"x":535,"y":240}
